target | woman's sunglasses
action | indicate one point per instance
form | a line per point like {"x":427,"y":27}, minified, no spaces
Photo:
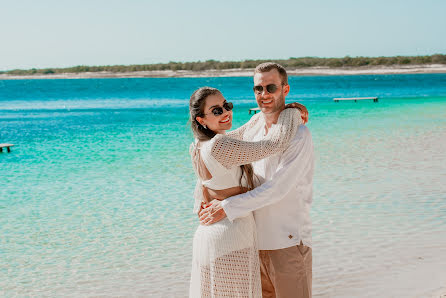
{"x":271,"y":88}
{"x":217,"y":111}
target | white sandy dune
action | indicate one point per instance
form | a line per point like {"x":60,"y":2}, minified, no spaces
{"x":395,"y":69}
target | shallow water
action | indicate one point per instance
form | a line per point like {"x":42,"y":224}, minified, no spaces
{"x":96,"y":196}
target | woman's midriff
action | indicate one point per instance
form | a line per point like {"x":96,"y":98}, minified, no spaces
{"x":210,"y":194}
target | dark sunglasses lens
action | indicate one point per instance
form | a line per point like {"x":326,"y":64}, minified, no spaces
{"x":258,"y":89}
{"x":217,"y":111}
{"x":271,"y":88}
{"x":228,"y":106}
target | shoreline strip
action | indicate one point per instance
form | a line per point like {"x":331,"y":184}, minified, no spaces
{"x":309,"y":71}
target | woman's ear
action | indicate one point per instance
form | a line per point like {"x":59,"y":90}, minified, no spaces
{"x":200,"y":120}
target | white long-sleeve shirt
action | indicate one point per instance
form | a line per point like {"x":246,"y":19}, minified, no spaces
{"x":281,"y":204}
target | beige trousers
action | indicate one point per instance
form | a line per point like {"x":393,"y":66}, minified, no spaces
{"x":286,"y":272}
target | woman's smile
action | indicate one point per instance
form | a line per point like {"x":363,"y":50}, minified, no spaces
{"x":225,"y":120}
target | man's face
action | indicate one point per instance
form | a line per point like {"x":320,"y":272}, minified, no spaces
{"x":270,"y":102}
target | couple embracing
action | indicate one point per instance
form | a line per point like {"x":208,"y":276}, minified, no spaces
{"x":253,"y":194}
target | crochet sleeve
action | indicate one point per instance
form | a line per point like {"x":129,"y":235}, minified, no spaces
{"x":239,"y":132}
{"x":231,"y":152}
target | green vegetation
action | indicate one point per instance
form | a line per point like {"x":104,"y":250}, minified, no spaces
{"x":217,"y":65}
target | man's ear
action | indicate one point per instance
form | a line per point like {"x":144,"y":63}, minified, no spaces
{"x":286,"y":89}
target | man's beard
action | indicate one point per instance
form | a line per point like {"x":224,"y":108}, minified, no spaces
{"x":276,"y":108}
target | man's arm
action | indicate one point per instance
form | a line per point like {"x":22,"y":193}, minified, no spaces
{"x":296,"y":162}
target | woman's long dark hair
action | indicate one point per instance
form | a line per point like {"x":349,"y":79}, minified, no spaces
{"x":196,"y":109}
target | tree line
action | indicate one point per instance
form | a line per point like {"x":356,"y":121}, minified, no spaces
{"x":221,"y":65}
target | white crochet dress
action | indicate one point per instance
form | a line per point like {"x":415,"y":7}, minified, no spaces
{"x":225,"y":258}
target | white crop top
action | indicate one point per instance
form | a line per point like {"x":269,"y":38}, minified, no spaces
{"x":222,"y":178}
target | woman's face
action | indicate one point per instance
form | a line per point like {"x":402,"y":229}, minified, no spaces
{"x":217,"y":123}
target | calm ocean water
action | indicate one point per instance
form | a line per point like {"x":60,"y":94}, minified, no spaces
{"x":96,"y":195}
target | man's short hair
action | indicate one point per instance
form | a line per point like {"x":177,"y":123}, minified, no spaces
{"x":268,"y":66}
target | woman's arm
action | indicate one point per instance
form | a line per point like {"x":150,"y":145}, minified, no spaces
{"x":198,"y":196}
{"x":233,"y":152}
{"x":239,"y":132}
{"x":303,"y":110}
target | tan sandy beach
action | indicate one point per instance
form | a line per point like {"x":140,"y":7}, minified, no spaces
{"x":395,"y":69}
{"x":440,"y":293}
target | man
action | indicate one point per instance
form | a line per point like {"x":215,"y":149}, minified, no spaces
{"x":281,"y":204}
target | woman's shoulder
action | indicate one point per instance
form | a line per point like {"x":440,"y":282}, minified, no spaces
{"x":207,"y":145}
{"x":193,"y":147}
{"x":204,"y":147}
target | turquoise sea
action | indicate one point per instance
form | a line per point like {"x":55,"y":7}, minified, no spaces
{"x":96,"y":195}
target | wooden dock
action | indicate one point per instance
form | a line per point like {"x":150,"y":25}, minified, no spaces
{"x":7,"y":146}
{"x":375,"y":99}
{"x":253,"y":110}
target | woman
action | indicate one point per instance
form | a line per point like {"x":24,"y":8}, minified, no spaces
{"x":225,"y":257}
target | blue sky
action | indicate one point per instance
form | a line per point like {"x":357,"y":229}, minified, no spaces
{"x":48,"y":33}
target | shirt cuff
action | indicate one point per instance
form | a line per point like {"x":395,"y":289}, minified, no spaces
{"x":234,"y":212}
{"x":226,"y":207}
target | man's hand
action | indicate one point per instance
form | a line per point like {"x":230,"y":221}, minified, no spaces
{"x":212,"y":214}
{"x":303,"y":110}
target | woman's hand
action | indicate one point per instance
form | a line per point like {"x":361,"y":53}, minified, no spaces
{"x":303,"y":110}
{"x":212,"y":213}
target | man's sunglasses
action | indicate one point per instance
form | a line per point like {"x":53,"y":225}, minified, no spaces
{"x":271,"y":88}
{"x":217,"y":111}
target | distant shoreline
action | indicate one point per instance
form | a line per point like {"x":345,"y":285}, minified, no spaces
{"x":307,"y":71}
